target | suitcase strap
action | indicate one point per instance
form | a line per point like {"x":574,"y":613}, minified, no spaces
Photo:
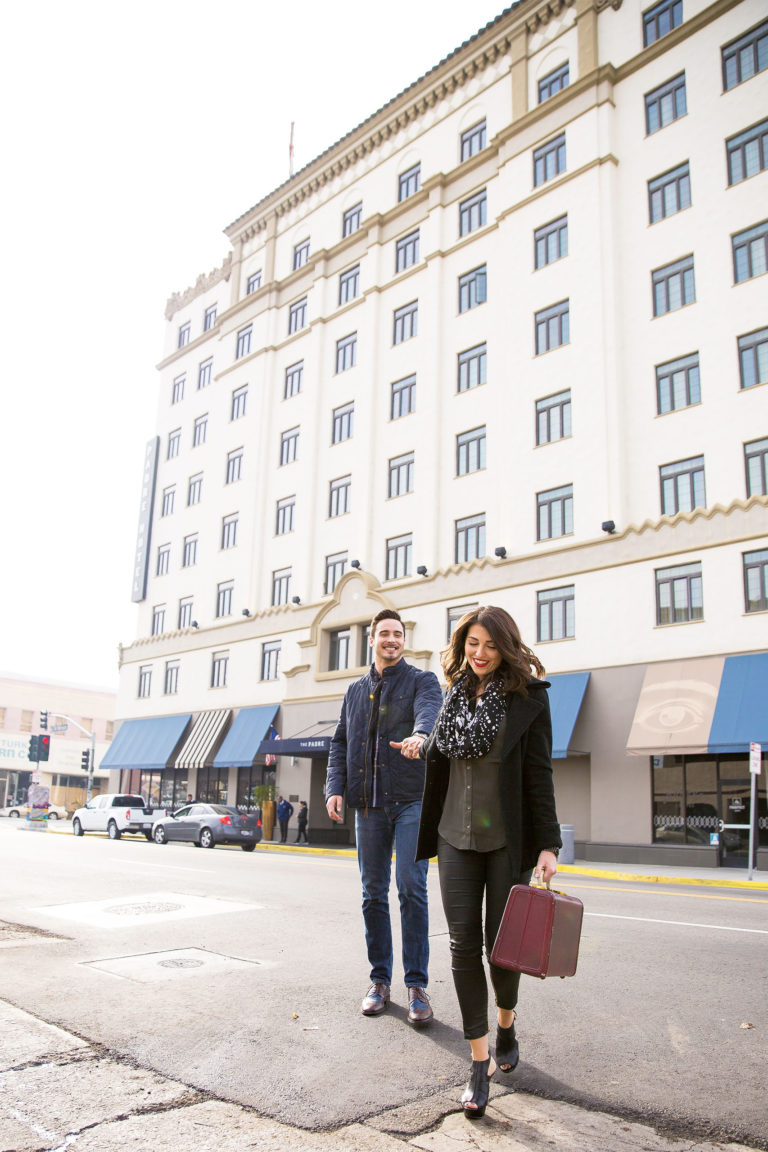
{"x":546,"y":887}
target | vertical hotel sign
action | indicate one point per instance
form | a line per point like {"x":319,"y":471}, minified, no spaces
{"x":144,"y":533}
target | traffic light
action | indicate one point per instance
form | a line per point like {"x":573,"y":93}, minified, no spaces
{"x":44,"y":721}
{"x":85,"y":760}
{"x":32,"y":752}
{"x":43,"y":747}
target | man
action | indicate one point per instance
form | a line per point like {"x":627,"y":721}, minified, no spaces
{"x":284,"y":813}
{"x":374,"y":759}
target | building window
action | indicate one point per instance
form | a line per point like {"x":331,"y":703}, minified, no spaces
{"x":190,"y":551}
{"x":281,"y":586}
{"x":753,"y":358}
{"x":365,"y":644}
{"x":470,"y":451}
{"x":682,"y":486}
{"x":234,"y":466}
{"x":349,"y":284}
{"x":185,"y":612}
{"x":407,"y":251}
{"x":200,"y":431}
{"x":297,"y":316}
{"x":745,"y":57}
{"x":677,"y":384}
{"x":294,"y":376}
{"x":335,"y":567}
{"x":209,"y":318}
{"x":343,"y":418}
{"x":472,"y":368}
{"x":473,"y":213}
{"x":669,"y":193}
{"x":184,"y":332}
{"x":473,"y":140}
{"x":556,"y":614}
{"x":553,"y":82}
{"x":300,"y":254}
{"x":338,"y":649}
{"x":171,"y":685}
{"x":679,"y":594}
{"x":673,"y":286}
{"x":473,"y":288}
{"x":400,"y":475}
{"x":194,"y":489}
{"x":284,"y":515}
{"x":550,"y":242}
{"x":406,"y":322}
{"x":455,"y":614}
{"x":169,"y":499}
{"x":665,"y":104}
{"x":239,"y":402}
{"x":409,"y":182}
{"x":177,"y":389}
{"x":219,"y":669}
{"x":289,"y":446}
{"x":552,"y":327}
{"x":204,"y":373}
{"x":158,"y":620}
{"x":229,"y":531}
{"x":243,"y":342}
{"x":756,"y":465}
{"x":470,"y":538}
{"x":661,"y":19}
{"x":351,"y":220}
{"x":346,"y":352}
{"x":555,"y":512}
{"x":339,"y":496}
{"x":145,"y":679}
{"x":747,"y":153}
{"x":224,"y":598}
{"x":399,"y":557}
{"x":756,"y":581}
{"x":253,"y":282}
{"x":174,"y":443}
{"x":750,"y":253}
{"x":553,"y":417}
{"x":549,"y":160}
{"x":403,"y":397}
{"x":163,"y":559}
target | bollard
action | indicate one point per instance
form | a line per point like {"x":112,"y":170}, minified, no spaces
{"x":567,"y":851}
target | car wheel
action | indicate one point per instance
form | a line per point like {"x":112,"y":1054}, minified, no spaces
{"x":148,"y":836}
{"x":77,"y":828}
{"x":53,"y":815}
{"x":13,"y":815}
{"x":206,"y":839}
{"x":113,"y":831}
{"x":248,"y":847}
{"x":159,"y":835}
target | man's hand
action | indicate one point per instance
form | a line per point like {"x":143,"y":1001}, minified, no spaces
{"x":334,"y":808}
{"x":410,"y":747}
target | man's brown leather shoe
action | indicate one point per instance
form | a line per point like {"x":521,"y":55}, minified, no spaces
{"x":419,"y":1008}
{"x":376,"y":1000}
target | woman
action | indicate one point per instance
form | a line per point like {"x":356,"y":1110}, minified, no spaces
{"x":489,"y":815}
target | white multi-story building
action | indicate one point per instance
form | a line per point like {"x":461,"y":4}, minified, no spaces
{"x":506,"y":342}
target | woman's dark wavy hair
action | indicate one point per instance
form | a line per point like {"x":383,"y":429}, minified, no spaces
{"x":517,"y":659}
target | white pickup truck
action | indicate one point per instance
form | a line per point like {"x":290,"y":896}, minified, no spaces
{"x":116,"y":813}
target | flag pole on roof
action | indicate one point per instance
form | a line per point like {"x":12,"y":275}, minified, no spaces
{"x":290,"y":154}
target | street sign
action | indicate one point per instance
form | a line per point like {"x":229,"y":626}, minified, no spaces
{"x":59,"y":727}
{"x":755,"y":757}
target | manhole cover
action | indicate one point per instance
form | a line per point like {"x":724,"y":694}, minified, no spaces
{"x":142,"y":909}
{"x":180,"y":963}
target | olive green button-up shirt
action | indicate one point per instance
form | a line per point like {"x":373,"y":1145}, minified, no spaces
{"x":471,"y":816}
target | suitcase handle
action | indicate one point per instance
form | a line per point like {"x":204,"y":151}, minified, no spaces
{"x":546,"y":887}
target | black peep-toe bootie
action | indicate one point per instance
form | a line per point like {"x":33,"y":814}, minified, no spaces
{"x":477,"y":1090}
{"x":507,"y":1048}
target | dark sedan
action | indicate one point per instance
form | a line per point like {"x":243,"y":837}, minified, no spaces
{"x":206,"y":825}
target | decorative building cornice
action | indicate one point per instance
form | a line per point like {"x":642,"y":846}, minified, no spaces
{"x":601,"y":5}
{"x":550,"y":11}
{"x":202,"y":284}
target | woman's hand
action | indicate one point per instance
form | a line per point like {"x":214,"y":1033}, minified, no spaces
{"x":546,"y":866}
{"x":410,"y":747}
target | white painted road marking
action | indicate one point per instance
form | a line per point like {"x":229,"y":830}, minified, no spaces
{"x":678,"y":923}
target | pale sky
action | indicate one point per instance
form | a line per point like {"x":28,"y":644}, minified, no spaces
{"x":132,"y":136}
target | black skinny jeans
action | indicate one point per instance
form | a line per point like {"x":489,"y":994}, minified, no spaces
{"x":464,"y":877}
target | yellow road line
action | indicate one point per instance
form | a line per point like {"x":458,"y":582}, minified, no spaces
{"x":656,"y":892}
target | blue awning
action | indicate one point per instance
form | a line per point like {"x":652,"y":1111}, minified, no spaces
{"x":741,"y":712}
{"x":314,"y":747}
{"x":149,"y":744}
{"x":241,"y":744}
{"x":565,"y":696}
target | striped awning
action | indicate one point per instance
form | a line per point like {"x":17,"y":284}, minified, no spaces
{"x":204,"y":738}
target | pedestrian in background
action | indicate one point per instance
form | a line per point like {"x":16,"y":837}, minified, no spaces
{"x":489,"y":816}
{"x":284,"y":813}
{"x":301,"y":822}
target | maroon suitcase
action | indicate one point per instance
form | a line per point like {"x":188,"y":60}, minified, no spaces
{"x":539,"y":932}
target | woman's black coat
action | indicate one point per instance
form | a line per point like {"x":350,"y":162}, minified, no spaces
{"x":527,"y":794}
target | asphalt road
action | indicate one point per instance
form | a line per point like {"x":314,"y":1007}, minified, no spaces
{"x":242,"y":974}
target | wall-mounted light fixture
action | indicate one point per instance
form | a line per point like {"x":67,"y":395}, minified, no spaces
{"x":195,"y":624}
{"x":422,"y":569}
{"x":608,"y":526}
{"x":354,"y":563}
{"x":246,"y":612}
{"x":295,"y":599}
{"x":501,"y":552}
